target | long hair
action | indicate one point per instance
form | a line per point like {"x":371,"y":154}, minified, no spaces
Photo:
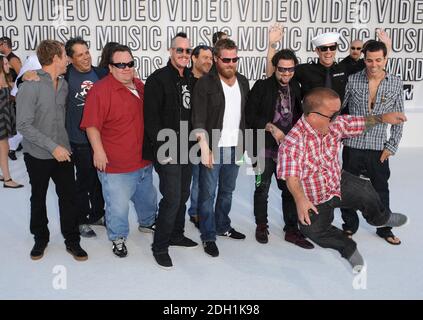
{"x":7,"y":76}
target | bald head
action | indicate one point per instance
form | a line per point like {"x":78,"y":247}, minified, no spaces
{"x":355,"y":49}
{"x":317,"y":98}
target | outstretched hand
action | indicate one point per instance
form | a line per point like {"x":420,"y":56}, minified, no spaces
{"x":275,"y":33}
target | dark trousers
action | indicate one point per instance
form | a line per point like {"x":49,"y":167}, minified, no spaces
{"x":175,"y":180}
{"x":261,"y":193}
{"x":89,"y":196}
{"x":62,"y":173}
{"x":357,"y":194}
{"x":366,"y":163}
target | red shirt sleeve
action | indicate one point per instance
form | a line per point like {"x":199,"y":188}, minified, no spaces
{"x":97,"y":105}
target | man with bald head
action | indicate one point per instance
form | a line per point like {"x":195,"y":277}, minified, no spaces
{"x":354,"y":60}
{"x":308,"y":161}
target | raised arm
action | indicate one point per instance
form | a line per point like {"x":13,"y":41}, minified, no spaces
{"x":275,"y":35}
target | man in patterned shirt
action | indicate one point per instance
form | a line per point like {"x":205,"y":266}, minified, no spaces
{"x":308,"y":161}
{"x":369,"y":92}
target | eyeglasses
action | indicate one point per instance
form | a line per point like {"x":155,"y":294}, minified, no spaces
{"x":325,"y":48}
{"x":356,"y":48}
{"x":228,"y":60}
{"x":282,"y":69}
{"x":123,"y":65}
{"x":331,"y":118}
{"x":181,"y":50}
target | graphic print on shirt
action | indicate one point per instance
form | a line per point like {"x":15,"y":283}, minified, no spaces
{"x":186,"y":97}
{"x":80,"y":96}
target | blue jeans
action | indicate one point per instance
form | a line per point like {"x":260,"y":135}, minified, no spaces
{"x":193,"y":209}
{"x":224,"y":173}
{"x":118,"y":189}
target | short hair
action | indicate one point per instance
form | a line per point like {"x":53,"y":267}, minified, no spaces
{"x":47,"y":49}
{"x":197,"y":49}
{"x":316,"y":98}
{"x":217,"y":36}
{"x":224,"y":44}
{"x":7,"y":41}
{"x":284,"y":54}
{"x":106,"y":54}
{"x":178,"y":35}
{"x":71,"y":42}
{"x":119,"y":48}
{"x":374,"y":46}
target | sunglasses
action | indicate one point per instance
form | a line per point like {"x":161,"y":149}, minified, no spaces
{"x":324,"y":48}
{"x":123,"y":65}
{"x":181,"y":50}
{"x":228,"y":60}
{"x":356,"y":48}
{"x":282,"y":69}
{"x":331,"y":118}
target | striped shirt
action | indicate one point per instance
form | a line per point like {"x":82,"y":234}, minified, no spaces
{"x":389,"y":98}
{"x":313,"y":157}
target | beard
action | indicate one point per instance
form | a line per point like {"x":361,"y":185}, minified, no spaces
{"x":227,"y":73}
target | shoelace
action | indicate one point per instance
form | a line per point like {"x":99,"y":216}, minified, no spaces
{"x":119,"y":244}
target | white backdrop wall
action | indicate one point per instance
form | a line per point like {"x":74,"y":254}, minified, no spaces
{"x":147,"y":26}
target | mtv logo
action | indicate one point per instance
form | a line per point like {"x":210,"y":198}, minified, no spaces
{"x":408,"y":91}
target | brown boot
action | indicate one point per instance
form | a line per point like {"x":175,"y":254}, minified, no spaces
{"x":296,"y":237}
{"x":262,"y":233}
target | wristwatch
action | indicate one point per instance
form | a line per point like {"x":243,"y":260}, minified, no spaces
{"x":274,"y":45}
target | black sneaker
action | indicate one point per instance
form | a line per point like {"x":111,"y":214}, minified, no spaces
{"x":77,"y":252}
{"x":19,"y":148}
{"x":37,"y":251}
{"x":210,"y":248}
{"x":184,"y":242}
{"x":119,"y":248}
{"x":147,"y":229}
{"x":12,"y":155}
{"x":163,"y":260}
{"x":233,"y":234}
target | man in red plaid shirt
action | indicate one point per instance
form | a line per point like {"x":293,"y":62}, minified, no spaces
{"x":308,"y":161}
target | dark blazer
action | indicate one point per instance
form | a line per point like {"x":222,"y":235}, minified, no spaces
{"x":209,"y":103}
{"x":260,"y":107}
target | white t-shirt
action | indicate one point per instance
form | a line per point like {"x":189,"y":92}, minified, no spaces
{"x":232,"y":116}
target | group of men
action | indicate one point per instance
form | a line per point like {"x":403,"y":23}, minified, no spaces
{"x":118,"y":129}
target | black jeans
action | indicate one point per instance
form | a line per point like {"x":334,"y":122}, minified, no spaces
{"x":261,"y":193}
{"x":62,"y":173}
{"x":89,"y":196}
{"x":357,"y":194}
{"x":175,"y":181}
{"x":366,"y":163}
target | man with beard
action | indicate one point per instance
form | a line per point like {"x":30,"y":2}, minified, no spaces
{"x":168,"y":110}
{"x":219,"y":105}
{"x":274,"y":105}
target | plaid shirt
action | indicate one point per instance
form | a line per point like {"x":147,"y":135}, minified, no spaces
{"x":313,"y":157}
{"x":389,"y":98}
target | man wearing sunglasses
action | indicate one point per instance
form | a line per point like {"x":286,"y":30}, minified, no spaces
{"x":114,"y":121}
{"x":219,"y":106}
{"x":370,"y":92}
{"x":168,"y":109}
{"x":354,"y":59}
{"x":274,"y":105}
{"x":308,"y":161}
